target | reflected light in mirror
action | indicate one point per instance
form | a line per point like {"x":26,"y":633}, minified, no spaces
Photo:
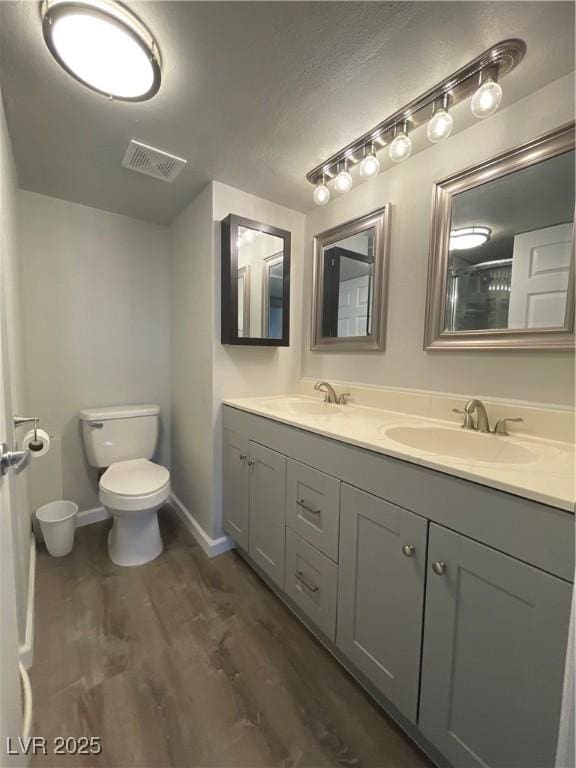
{"x":469,"y":237}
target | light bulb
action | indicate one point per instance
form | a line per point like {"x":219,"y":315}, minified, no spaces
{"x":440,"y":126}
{"x":487,"y":99}
{"x":400,"y":148}
{"x":369,"y":166}
{"x":343,"y":182}
{"x":321,"y":194}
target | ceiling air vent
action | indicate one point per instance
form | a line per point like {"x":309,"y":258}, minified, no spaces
{"x":153,"y":162}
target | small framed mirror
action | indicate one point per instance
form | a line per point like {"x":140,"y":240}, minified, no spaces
{"x":501,"y":271}
{"x":255,"y":283}
{"x":350,"y":284}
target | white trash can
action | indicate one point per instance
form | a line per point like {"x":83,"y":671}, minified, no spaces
{"x":58,"y":523}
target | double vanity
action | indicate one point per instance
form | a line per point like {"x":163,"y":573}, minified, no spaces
{"x":434,"y":562}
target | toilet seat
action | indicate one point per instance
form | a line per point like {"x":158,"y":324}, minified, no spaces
{"x":134,"y":485}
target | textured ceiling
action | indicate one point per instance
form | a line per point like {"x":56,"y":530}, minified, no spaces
{"x":253,"y":94}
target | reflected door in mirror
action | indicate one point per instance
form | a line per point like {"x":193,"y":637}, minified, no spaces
{"x":260,"y":261}
{"x":348,"y":285}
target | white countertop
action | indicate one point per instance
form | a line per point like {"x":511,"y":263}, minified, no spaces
{"x":543,"y":470}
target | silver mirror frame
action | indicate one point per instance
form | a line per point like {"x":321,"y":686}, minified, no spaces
{"x":380,"y":221}
{"x":435,"y":337}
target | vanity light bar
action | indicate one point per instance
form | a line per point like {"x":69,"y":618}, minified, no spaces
{"x":479,"y":78}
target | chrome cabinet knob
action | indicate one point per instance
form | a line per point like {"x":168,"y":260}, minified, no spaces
{"x":408,"y":550}
{"x":243,"y":457}
{"x":251,"y":463}
{"x":439,"y":568}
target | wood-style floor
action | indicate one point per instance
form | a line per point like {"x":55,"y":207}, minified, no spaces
{"x":191,"y":662}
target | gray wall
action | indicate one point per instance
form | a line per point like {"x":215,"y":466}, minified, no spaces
{"x":191,"y":329}
{"x":544,"y":377}
{"x":95,"y":287}
{"x":203,"y":371}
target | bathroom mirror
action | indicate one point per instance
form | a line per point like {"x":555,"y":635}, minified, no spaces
{"x":255,"y":283}
{"x":350,"y":277}
{"x":501,"y":271}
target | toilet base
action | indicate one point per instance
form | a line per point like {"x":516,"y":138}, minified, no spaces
{"x":134,"y":538}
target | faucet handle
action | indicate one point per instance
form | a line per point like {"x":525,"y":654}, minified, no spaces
{"x":343,"y":398}
{"x":500,"y":426}
{"x":468,"y":422}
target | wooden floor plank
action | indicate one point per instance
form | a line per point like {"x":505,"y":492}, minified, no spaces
{"x":188,"y":661}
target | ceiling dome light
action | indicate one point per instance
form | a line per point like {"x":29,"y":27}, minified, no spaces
{"x":343,"y":182}
{"x":321,"y":194}
{"x":441,"y":122}
{"x":103,"y":46}
{"x":370,"y":165}
{"x":487,"y":98}
{"x":469,"y":237}
{"x":401,"y":147}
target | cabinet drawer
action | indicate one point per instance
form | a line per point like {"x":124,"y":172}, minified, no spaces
{"x":312,"y":583}
{"x":313,"y":507}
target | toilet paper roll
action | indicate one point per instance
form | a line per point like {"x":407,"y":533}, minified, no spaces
{"x":39,"y":447}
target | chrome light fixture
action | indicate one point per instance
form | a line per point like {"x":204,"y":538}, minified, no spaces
{"x":464,"y":238}
{"x":401,"y":147}
{"x":321,"y":192}
{"x":343,"y":181}
{"x":431,"y":108}
{"x":104,"y":46}
{"x":370,"y":165}
{"x":441,"y":122}
{"x":487,"y":98}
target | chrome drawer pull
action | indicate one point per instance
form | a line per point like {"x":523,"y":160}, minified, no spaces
{"x":312,"y":587}
{"x":301,"y":503}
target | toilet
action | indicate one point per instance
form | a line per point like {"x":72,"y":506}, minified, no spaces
{"x":122,"y":440}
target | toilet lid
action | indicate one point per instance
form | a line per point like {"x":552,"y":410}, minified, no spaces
{"x":136,"y":477}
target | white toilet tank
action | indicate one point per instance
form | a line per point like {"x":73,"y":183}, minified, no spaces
{"x":119,"y":433}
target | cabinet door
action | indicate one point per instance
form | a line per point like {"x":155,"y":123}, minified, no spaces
{"x":381,"y":594}
{"x":267,"y":510}
{"x":236,"y":487}
{"x":495,"y":637}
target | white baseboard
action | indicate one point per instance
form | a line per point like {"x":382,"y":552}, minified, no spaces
{"x":212,"y":547}
{"x":26,"y":650}
{"x":89,"y":516}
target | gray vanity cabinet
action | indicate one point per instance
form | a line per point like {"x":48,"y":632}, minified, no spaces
{"x":495,"y":637}
{"x":268,"y":511}
{"x":381,"y":594}
{"x":236,"y":514}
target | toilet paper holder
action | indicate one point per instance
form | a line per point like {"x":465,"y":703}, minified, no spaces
{"x":20,"y":420}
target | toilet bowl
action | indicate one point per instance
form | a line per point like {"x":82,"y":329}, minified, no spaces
{"x":133,"y":491}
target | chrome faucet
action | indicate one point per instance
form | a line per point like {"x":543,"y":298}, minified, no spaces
{"x":477,"y":407}
{"x":330,"y":395}
{"x":482,"y":424}
{"x":328,"y":389}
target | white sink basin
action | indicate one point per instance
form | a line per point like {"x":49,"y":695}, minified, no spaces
{"x":460,"y":444}
{"x":296,"y":406}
